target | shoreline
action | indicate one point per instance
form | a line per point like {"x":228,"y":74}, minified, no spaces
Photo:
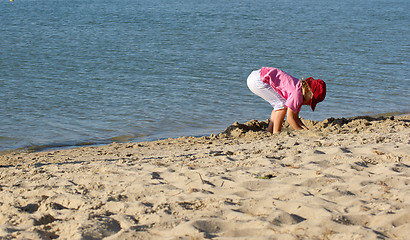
{"x":344,"y":178}
{"x":130,"y":139}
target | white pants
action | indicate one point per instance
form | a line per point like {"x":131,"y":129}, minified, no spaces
{"x":265,"y":91}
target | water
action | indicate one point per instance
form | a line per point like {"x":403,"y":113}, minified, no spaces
{"x":97,"y":71}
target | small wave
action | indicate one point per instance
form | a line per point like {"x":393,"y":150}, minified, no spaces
{"x":7,"y":138}
{"x":125,"y":138}
{"x":72,"y":144}
{"x":44,"y":147}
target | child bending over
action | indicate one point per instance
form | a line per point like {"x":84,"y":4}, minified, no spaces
{"x":286,"y":94}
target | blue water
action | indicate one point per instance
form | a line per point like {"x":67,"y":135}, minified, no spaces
{"x":96,"y":71}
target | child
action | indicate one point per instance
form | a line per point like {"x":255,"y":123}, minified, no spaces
{"x":286,"y":94}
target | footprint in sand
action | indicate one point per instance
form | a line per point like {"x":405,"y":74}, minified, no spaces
{"x":30,"y":208}
{"x":257,"y":185}
{"x":99,"y":227}
{"x":209,"y":227}
{"x":284,"y":218}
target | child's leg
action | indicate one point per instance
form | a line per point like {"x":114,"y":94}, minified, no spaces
{"x":266,"y":92}
{"x":278,"y":117}
{"x":270,"y":126}
{"x":276,"y":120}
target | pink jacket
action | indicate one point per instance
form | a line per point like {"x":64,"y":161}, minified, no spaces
{"x":285,"y":85}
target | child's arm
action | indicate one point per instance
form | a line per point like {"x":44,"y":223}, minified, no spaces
{"x":302,"y":124}
{"x":294,"y":120}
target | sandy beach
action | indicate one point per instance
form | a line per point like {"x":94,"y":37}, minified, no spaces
{"x":342,"y":179}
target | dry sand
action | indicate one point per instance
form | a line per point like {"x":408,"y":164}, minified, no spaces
{"x":343,"y":179}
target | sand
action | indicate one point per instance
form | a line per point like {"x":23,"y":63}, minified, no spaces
{"x":342,"y":179}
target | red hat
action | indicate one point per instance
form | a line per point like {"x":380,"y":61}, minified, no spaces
{"x":318,"y":88}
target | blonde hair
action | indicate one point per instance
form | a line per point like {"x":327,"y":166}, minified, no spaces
{"x":305,"y":88}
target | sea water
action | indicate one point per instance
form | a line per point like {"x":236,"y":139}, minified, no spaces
{"x":90,"y":72}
